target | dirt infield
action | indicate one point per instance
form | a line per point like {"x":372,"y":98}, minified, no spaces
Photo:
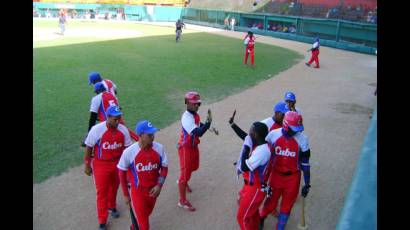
{"x":336,"y":102}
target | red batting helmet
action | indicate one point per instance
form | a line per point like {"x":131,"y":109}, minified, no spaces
{"x":192,"y":97}
{"x":293,"y":120}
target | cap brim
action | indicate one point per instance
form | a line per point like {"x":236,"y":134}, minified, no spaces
{"x":297,"y":128}
{"x":115,"y":114}
{"x":151,"y":130}
{"x":194,"y":101}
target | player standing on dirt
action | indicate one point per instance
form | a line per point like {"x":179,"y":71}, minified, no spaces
{"x":104,"y":145}
{"x":315,"y":53}
{"x":192,"y":129}
{"x":254,"y":165}
{"x":179,"y":24}
{"x":147,"y":166}
{"x":249,"y":42}
{"x":290,"y":99}
{"x":291,"y":155}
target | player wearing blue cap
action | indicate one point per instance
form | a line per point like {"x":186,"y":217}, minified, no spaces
{"x":95,"y":77}
{"x":99,"y":106}
{"x":147,"y":167}
{"x":272,"y":123}
{"x":290,"y":99}
{"x":104,"y":146}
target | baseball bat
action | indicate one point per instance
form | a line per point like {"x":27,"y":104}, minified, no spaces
{"x":302,"y":224}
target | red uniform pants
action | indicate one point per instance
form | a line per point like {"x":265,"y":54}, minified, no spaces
{"x":106,"y":180}
{"x":189,"y":162}
{"x":247,"y":52}
{"x":315,"y":57}
{"x":285,"y":186}
{"x":250,"y":198}
{"x":142,"y":205}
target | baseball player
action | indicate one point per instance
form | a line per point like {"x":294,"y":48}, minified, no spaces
{"x":100,"y":104}
{"x":178,"y":29}
{"x":249,"y":42}
{"x":147,"y":166}
{"x":272,"y":123}
{"x":104,"y":145}
{"x":62,"y":20}
{"x":315,"y":53}
{"x":254,"y":165}
{"x":95,"y":77}
{"x":290,"y":99}
{"x":192,"y":129}
{"x":290,"y":155}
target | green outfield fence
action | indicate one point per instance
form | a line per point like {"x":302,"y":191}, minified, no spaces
{"x":358,"y":37}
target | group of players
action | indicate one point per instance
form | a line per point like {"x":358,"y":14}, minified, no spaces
{"x":273,"y":155}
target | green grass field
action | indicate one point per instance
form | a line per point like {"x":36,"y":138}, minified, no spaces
{"x":152,"y":74}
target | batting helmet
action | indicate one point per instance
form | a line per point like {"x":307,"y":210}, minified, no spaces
{"x":192,"y":97}
{"x":293,"y":120}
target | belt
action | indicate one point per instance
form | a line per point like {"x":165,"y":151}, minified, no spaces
{"x":289,"y":173}
{"x":247,"y":182}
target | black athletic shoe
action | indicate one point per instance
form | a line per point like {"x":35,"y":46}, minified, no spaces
{"x":261,"y":223}
{"x":115,"y":213}
{"x":307,"y":64}
{"x":102,"y":227}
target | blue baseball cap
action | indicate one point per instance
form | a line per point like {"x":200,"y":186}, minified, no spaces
{"x":99,"y":86}
{"x":93,"y":76}
{"x":114,"y":111}
{"x":281,"y":107}
{"x":145,"y":127}
{"x":289,"y":96}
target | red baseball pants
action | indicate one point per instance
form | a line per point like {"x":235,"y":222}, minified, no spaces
{"x":250,"y":198}
{"x":251,"y":51}
{"x":142,"y":206}
{"x":285,"y":186}
{"x":189,"y":162}
{"x":106,"y":180}
{"x":315,"y":57}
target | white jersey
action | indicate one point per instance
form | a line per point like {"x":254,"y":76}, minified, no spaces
{"x":188,"y":122}
{"x":259,"y":157}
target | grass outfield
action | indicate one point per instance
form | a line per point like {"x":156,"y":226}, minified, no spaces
{"x":152,"y":74}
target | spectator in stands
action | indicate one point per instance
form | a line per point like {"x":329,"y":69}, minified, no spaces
{"x":48,"y":13}
{"x":226,"y":23}
{"x":233,"y":21}
{"x":292,"y":29}
{"x":285,"y":29}
{"x":260,"y":25}
{"x":279,"y":28}
{"x":374,"y":18}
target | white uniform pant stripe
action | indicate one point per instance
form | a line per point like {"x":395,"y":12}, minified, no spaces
{"x":250,"y":205}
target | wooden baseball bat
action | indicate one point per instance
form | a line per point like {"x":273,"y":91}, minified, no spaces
{"x":302,"y":224}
